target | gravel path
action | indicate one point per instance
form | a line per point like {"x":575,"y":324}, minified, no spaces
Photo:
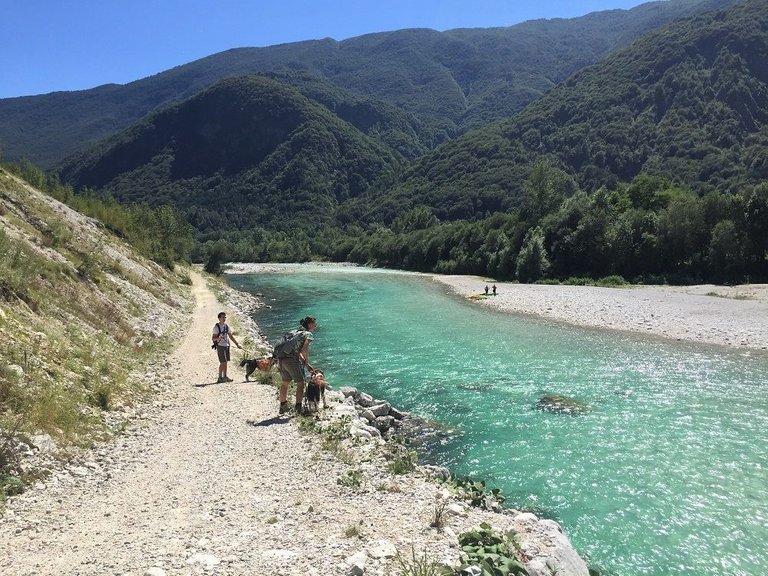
{"x":210,"y":481}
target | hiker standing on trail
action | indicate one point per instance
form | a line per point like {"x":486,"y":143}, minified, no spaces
{"x":494,"y":290}
{"x":221,"y":337}
{"x":486,"y":289}
{"x":293,"y":355}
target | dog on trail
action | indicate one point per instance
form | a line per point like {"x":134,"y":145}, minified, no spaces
{"x":315,"y":392}
{"x":253,"y":364}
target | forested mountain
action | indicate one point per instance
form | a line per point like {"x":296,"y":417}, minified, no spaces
{"x":688,"y":103}
{"x":247,"y":150}
{"x":447,"y":81}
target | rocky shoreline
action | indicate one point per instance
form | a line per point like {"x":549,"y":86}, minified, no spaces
{"x":369,"y":422}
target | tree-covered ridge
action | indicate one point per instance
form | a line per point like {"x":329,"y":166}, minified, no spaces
{"x":385,"y":123}
{"x":450,"y":81}
{"x":247,"y":151}
{"x":512,"y":202}
{"x":688,"y":103}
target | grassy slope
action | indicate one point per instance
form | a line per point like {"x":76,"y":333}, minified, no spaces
{"x":78,"y":311}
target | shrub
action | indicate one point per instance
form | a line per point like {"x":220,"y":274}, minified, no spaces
{"x":578,"y":281}
{"x":352,"y":479}
{"x":421,"y":565}
{"x":611,"y":281}
{"x":490,"y":552}
{"x":404,"y":462}
{"x":477,"y":494}
{"x":438,"y":514}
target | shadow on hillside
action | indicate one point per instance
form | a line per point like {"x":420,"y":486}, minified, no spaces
{"x":269,"y":421}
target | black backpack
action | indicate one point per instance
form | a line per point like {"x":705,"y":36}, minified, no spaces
{"x":220,"y":332}
{"x":289,"y":344}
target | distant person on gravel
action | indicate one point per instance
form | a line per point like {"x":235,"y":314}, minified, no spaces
{"x":221,"y":337}
{"x":291,"y":366}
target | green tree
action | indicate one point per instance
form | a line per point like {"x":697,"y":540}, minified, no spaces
{"x":532,"y":263}
{"x":726,"y":252}
{"x":545,"y":190}
{"x":756,"y":217}
{"x":216,"y":258}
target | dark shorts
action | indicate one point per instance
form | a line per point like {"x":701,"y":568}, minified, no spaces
{"x":223,"y":352}
{"x":291,"y":369}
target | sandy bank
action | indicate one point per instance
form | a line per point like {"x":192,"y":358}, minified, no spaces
{"x":734,"y":316}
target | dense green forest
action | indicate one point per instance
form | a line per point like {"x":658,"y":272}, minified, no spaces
{"x":648,"y":231}
{"x":448,"y":82}
{"x":688,"y":103}
{"x":248,"y":150}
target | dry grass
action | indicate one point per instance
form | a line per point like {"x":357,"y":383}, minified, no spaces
{"x":75,"y":301}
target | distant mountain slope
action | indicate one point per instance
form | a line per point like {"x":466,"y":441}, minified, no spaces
{"x":246,"y":151}
{"x":689,"y":103}
{"x":451,"y":81}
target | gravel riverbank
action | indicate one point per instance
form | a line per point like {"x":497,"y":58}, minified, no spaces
{"x":735,"y":316}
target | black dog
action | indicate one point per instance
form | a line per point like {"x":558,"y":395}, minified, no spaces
{"x":253,"y":364}
{"x":250,"y":366}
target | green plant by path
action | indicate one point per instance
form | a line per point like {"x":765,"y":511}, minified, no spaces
{"x":493,"y":554}
{"x":421,"y":565}
{"x":351,"y":479}
{"x":477,"y":493}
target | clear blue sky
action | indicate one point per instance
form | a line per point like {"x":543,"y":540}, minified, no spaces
{"x":51,"y":45}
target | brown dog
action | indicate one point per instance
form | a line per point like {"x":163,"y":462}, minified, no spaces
{"x":315,"y":392}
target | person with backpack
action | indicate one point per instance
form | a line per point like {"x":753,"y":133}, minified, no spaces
{"x":292,"y":353}
{"x":221,"y":337}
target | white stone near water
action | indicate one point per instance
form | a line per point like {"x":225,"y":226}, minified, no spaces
{"x":207,"y":561}
{"x":356,"y":563}
{"x":544,"y":539}
{"x":382,"y":549}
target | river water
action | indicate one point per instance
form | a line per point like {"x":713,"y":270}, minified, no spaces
{"x":666,"y":473}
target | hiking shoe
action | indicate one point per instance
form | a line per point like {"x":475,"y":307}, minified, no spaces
{"x":297,"y":409}
{"x":220,"y":380}
{"x":228,"y":379}
{"x":283,"y":407}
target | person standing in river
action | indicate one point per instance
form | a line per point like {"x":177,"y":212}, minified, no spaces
{"x":221,"y":337}
{"x":291,"y":364}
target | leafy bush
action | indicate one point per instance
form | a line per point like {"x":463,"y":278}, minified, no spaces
{"x":494,"y":555}
{"x":477,"y":494}
{"x":609,"y":281}
{"x":578,"y":281}
{"x":403,"y":462}
{"x":351,"y":478}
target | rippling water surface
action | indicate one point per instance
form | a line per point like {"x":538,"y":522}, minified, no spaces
{"x":667,"y":472}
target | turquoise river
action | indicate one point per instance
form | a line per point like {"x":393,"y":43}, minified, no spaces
{"x":667,"y":473}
